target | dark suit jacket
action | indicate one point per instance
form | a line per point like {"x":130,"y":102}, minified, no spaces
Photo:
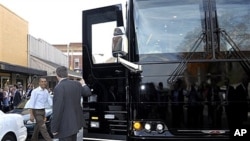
{"x":241,"y":102}
{"x":86,"y":91}
{"x":67,"y":111}
{"x":17,"y":98}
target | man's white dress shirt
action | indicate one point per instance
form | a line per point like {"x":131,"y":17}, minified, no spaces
{"x":40,"y":99}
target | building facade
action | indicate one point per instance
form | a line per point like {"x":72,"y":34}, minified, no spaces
{"x":23,"y":58}
{"x":14,"y":68}
{"x":74,"y":52}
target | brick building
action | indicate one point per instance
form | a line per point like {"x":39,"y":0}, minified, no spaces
{"x":74,"y":52}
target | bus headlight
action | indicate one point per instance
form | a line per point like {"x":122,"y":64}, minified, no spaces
{"x":159,"y":127}
{"x":137,"y":125}
{"x":147,"y":126}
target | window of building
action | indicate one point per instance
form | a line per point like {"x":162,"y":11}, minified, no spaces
{"x":76,"y":63}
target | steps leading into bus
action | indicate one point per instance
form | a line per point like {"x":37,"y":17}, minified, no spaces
{"x":116,"y":118}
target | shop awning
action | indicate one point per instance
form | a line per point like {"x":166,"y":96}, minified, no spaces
{"x":6,"y":67}
{"x":71,"y":73}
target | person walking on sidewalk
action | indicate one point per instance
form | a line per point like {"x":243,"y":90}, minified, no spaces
{"x":39,"y":100}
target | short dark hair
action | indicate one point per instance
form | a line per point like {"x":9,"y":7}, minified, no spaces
{"x":15,"y":85}
{"x":62,"y":71}
{"x":42,"y":77}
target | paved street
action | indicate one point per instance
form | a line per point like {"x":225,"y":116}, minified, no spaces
{"x":29,"y":139}
{"x":38,"y":140}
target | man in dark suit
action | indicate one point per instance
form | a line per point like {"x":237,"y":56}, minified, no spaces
{"x":1,"y":99}
{"x":229,"y":104}
{"x":67,"y":111}
{"x":241,"y":103}
{"x":16,"y":96}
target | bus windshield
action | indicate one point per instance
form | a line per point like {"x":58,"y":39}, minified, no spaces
{"x":176,"y":26}
{"x":189,"y":51}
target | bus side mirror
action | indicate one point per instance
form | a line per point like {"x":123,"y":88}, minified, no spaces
{"x":119,"y":42}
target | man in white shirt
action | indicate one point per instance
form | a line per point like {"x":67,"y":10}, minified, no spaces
{"x":39,"y":100}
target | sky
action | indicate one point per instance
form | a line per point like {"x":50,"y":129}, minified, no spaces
{"x":54,"y":21}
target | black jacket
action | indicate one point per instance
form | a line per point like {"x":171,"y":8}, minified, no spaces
{"x":67,"y":111}
{"x":17,"y":98}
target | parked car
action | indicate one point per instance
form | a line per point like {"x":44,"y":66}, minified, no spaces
{"x":22,"y":110}
{"x":26,"y":116}
{"x":12,"y":127}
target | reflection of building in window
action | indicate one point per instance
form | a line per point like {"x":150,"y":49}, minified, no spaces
{"x":76,"y":63}
{"x":102,"y":49}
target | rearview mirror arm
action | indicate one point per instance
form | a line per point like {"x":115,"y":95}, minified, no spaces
{"x":131,"y":66}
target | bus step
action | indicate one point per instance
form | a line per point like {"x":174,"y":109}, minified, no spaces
{"x":117,"y":125}
{"x":122,"y":112}
{"x":119,"y":121}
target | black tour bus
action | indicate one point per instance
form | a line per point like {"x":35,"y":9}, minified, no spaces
{"x":167,"y":70}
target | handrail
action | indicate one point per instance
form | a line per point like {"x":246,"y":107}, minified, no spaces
{"x":236,"y":51}
{"x":179,"y":69}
